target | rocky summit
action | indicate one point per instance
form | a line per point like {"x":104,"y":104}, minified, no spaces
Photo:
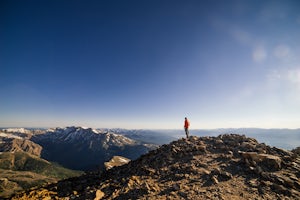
{"x":229,"y":166}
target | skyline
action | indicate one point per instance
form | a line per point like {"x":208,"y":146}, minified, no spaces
{"x":149,"y":64}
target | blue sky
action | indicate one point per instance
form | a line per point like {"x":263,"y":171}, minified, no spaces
{"x":148,"y":64}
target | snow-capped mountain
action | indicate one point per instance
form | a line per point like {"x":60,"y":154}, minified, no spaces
{"x":17,"y":130}
{"x":73,"y":147}
{"x":20,"y":133}
{"x":80,"y":134}
{"x":158,"y":137}
{"x":86,"y":148}
{"x":9,"y":135}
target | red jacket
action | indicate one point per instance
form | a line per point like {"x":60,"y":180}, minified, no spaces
{"x":186,"y":123}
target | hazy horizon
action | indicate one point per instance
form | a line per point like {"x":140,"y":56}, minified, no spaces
{"x":162,"y":129}
{"x":281,"y":138}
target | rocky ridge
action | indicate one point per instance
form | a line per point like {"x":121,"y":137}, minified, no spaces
{"x":224,"y":167}
{"x":20,"y":145}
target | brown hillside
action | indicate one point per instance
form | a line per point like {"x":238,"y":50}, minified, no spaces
{"x":223,"y":167}
{"x":20,"y":145}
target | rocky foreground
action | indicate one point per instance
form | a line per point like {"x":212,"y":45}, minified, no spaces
{"x":223,"y":167}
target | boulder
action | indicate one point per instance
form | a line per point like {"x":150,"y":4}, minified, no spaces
{"x":270,"y":162}
{"x":99,"y":195}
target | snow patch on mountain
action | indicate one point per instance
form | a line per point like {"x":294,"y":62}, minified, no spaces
{"x":17,"y":130}
{"x":71,"y":134}
{"x":9,"y":135}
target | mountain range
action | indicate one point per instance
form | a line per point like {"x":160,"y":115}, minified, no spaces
{"x":31,"y":157}
{"x":76,"y":148}
{"x":86,"y":149}
{"x":228,"y":166}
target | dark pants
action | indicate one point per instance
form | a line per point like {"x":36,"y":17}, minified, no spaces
{"x":187,"y":132}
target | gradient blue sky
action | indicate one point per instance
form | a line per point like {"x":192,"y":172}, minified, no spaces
{"x":148,"y":64}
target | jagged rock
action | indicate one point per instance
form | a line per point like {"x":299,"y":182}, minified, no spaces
{"x":214,"y":179}
{"x":225,"y":167}
{"x":270,"y":161}
{"x":296,"y":151}
{"x":3,"y":181}
{"x":99,"y":195}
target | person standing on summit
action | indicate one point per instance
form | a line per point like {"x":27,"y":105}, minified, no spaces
{"x":186,"y":127}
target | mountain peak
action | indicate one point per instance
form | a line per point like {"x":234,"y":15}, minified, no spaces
{"x":71,"y":129}
{"x":85,"y":148}
{"x":225,"y":167}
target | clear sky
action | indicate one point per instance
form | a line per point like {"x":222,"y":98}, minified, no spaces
{"x":149,"y":63}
